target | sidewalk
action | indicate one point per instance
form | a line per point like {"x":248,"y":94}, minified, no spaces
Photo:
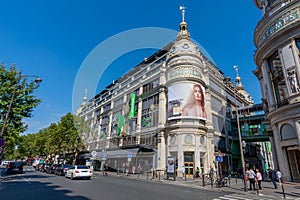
{"x":291,"y":189}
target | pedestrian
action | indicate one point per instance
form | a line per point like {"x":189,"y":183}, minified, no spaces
{"x":272,"y":176}
{"x":183,"y":171}
{"x":258,"y":179}
{"x":198,"y":171}
{"x":279,"y":176}
{"x":133,"y":169}
{"x":251,"y":178}
{"x":211,"y":172}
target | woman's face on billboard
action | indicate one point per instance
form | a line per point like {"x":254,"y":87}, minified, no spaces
{"x":197,"y":93}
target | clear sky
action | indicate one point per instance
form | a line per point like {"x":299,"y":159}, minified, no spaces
{"x":53,"y":39}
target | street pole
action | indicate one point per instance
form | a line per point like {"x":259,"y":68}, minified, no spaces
{"x":241,"y":148}
{"x":8,"y":111}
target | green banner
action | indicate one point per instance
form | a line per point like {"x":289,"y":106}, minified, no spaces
{"x":120,"y":123}
{"x":132,"y":102}
{"x":269,"y":147}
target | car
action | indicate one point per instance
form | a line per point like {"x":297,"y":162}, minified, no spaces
{"x":79,"y":171}
{"x":15,"y":167}
{"x":61,"y":169}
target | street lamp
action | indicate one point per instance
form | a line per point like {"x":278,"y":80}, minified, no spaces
{"x":242,"y":149}
{"x":38,"y":80}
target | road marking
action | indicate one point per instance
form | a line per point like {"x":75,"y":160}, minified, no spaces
{"x":237,"y":197}
{"x":229,"y":198}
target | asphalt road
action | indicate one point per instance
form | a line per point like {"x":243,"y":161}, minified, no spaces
{"x":38,"y":185}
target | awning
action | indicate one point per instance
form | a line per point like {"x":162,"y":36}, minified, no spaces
{"x":122,"y":153}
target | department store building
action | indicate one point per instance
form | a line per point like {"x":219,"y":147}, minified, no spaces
{"x":175,"y":106}
{"x":277,"y":39}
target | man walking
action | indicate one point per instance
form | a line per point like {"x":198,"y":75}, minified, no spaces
{"x":251,"y":177}
{"x":272,"y":176}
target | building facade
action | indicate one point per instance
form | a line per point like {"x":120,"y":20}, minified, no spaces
{"x":174,"y":107}
{"x":277,"y":39}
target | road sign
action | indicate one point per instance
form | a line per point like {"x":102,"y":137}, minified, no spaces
{"x":2,"y":143}
{"x":94,"y":153}
{"x":219,"y":158}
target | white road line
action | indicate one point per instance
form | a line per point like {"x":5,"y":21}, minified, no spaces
{"x":229,"y":198}
{"x":238,"y":197}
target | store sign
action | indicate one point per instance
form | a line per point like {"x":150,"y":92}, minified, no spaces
{"x":279,"y":24}
{"x":184,"y":71}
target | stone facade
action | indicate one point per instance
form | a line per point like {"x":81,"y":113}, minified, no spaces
{"x":277,"y":38}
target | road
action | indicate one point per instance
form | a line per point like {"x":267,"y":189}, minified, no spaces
{"x":38,"y":185}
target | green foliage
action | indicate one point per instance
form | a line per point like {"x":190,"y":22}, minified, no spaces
{"x":15,"y":87}
{"x":60,"y":138}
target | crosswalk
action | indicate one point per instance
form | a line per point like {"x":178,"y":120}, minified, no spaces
{"x":241,"y":197}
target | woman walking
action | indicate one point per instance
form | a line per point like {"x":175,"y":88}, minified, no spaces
{"x":258,"y":179}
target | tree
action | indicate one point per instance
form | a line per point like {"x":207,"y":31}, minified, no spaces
{"x":15,"y":87}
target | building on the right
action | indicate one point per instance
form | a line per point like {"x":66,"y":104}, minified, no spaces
{"x":277,"y":39}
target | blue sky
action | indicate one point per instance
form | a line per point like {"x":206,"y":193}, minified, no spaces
{"x":53,"y":39}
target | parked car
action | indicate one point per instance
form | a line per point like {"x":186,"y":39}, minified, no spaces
{"x":61,"y":169}
{"x":79,"y":171}
{"x":15,"y":167}
{"x":52,"y":168}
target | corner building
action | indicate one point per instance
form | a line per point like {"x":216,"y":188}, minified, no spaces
{"x":175,"y":104}
{"x":277,"y":39}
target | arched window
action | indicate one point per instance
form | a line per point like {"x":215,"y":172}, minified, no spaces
{"x":288,"y":132}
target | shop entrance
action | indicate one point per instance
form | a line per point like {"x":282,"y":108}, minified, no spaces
{"x":189,"y":169}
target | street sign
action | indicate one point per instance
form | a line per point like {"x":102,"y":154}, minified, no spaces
{"x":94,"y":153}
{"x":2,"y":143}
{"x":219,"y":158}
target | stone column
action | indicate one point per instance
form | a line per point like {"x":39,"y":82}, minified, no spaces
{"x":180,"y":155}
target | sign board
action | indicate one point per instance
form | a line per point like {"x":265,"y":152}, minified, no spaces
{"x":94,"y":153}
{"x":171,"y":165}
{"x":129,"y":159}
{"x":219,"y":158}
{"x":2,"y":143}
{"x":129,"y":156}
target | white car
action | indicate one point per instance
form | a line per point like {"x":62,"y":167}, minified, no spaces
{"x":79,"y":171}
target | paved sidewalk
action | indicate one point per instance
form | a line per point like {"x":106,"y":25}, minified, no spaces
{"x":291,"y":190}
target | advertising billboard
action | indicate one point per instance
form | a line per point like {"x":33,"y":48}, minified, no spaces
{"x":186,"y":100}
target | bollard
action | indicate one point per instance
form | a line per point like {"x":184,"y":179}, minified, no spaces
{"x":282,"y":189}
{"x":203,"y":181}
{"x":235,"y":179}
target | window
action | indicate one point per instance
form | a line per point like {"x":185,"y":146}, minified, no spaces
{"x":150,"y":111}
{"x":118,"y":102}
{"x":106,"y":107}
{"x":149,"y":86}
{"x":277,"y":79}
{"x":298,"y":45}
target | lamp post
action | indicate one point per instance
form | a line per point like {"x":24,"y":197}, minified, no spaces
{"x":242,"y":148}
{"x":37,"y":80}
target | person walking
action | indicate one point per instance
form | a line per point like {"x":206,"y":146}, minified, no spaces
{"x":279,"y":176}
{"x":183,"y":172}
{"x":272,"y":176}
{"x":251,"y":178}
{"x":258,"y":179}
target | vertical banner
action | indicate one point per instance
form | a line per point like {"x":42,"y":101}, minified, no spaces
{"x":132,"y":102}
